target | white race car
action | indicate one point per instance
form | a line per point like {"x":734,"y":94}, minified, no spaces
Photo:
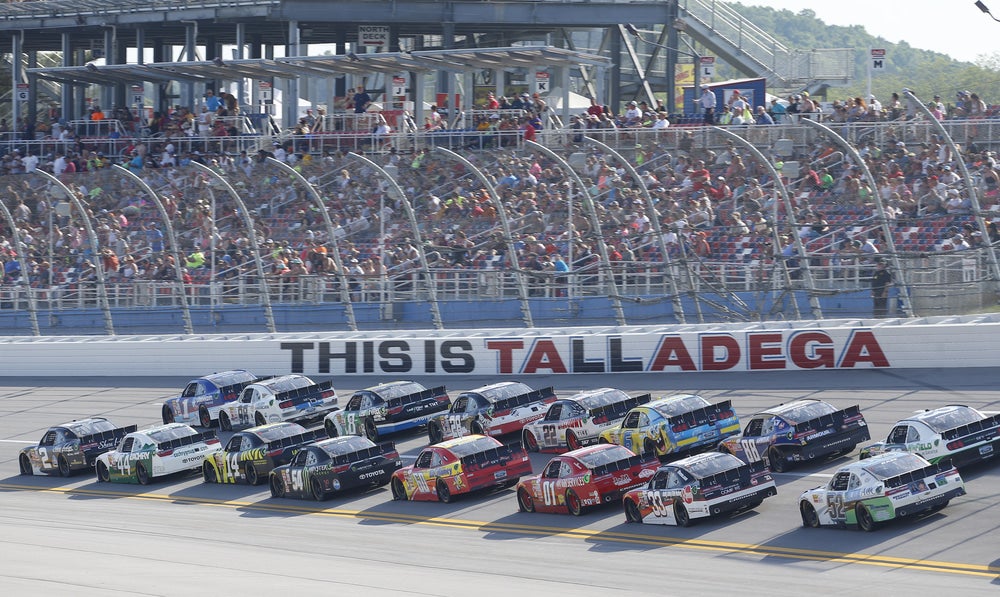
{"x":157,"y":451}
{"x":959,"y":433}
{"x":881,"y":488}
{"x":292,"y":398}
{"x":573,"y":422}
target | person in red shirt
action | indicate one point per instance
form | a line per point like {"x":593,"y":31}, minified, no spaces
{"x":529,"y":131}
{"x":491,"y":102}
{"x":701,"y":176}
{"x":595,"y":108}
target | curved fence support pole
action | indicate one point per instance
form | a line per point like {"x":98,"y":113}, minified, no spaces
{"x":787,"y":201}
{"x":522,"y":288}
{"x":32,"y":309}
{"x":595,"y":224}
{"x":421,"y":253}
{"x":102,"y":289}
{"x":345,"y":295}
{"x":970,"y":188}
{"x":654,"y":220}
{"x":886,"y":229}
{"x":265,"y":291}
{"x":169,"y":227}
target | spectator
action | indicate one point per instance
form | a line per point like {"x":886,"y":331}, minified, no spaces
{"x":881,"y":280}
{"x":707,"y":101}
{"x":763,"y":117}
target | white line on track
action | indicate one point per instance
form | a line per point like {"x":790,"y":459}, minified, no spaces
{"x":805,"y":475}
{"x":17,"y":441}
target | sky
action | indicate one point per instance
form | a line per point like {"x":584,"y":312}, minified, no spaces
{"x":953,"y":27}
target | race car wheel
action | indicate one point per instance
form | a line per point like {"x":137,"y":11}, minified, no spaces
{"x":277,"y":487}
{"x":205,"y":418}
{"x":434,"y":433}
{"x":573,"y":504}
{"x":865,"y":521}
{"x":476,"y":428}
{"x":398,"y":493}
{"x":681,"y":515}
{"x":317,"y":490}
{"x":649,"y":447}
{"x":524,"y":501}
{"x":224,"y":422}
{"x":371,"y":431}
{"x":331,"y":429}
{"x":24,"y":463}
{"x":809,"y":517}
{"x":168,"y":415}
{"x":259,"y":419}
{"x":251,"y":474}
{"x":632,"y":512}
{"x":64,"y":470}
{"x":776,"y":460}
{"x":208,"y":473}
{"x":530,"y":443}
{"x":103,"y":474}
{"x":603,"y":441}
{"x":572,"y":442}
{"x":141,"y":474}
{"x":443,"y":492}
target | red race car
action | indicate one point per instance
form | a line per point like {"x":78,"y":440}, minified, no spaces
{"x":585,"y":478}
{"x":463,"y":465}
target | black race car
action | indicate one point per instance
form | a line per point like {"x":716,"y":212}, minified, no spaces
{"x":250,"y":455}
{"x":335,"y":465}
{"x":72,"y":446}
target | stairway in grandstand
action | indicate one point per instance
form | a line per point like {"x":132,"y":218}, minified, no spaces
{"x":737,"y":41}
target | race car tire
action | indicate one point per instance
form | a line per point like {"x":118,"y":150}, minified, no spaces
{"x":810,"y":519}
{"x":572,"y":442}
{"x":602,"y":441}
{"x":632,"y":512}
{"x":370,"y":430}
{"x":476,"y":428}
{"x":865,"y":521}
{"x":938,"y":507}
{"x":277,"y":487}
{"x":681,"y":515}
{"x":776,"y":461}
{"x":722,"y":449}
{"x":530,"y":443}
{"x":317,"y":490}
{"x":250,"y":472}
{"x":648,"y":447}
{"x":141,"y":474}
{"x":443,"y":491}
{"x":434,"y":433}
{"x":24,"y":464}
{"x":205,"y":418}
{"x":259,"y":419}
{"x":573,"y":503}
{"x":524,"y":501}
{"x":167,"y":415}
{"x":398,"y":492}
{"x":331,"y":429}
{"x":224,"y":423}
{"x":103,"y":474}
{"x":208,"y":473}
{"x":64,"y":470}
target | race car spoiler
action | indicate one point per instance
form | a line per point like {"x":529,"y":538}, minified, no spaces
{"x":236,"y":388}
{"x":305,"y":394}
{"x":106,"y":436}
{"x":701,"y":416}
{"x":522,"y":399}
{"x":971,"y":429}
{"x":728,"y":477}
{"x":180,"y":442}
{"x":618,"y":410}
{"x":294,"y":440}
{"x":834,"y":419}
{"x":620,"y":465}
{"x":359,"y":455}
{"x":479,"y":459}
{"x":943,"y":466}
{"x":416,"y":397}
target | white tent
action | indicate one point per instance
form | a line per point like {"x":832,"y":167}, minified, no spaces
{"x":576,"y":101}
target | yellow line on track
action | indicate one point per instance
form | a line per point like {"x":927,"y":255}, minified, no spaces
{"x":586,"y":534}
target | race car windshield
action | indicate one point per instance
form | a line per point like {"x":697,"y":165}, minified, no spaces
{"x":398,"y":390}
{"x":503,"y":392}
{"x":904,"y":463}
{"x":165,"y":435}
{"x":280,"y":431}
{"x":346,"y":446}
{"x":806,"y":412}
{"x":474,"y":447}
{"x":89,"y":427}
{"x":601,"y":457}
{"x":951,"y":418}
{"x":603,"y":399}
{"x":681,"y":405}
{"x":713,"y":466}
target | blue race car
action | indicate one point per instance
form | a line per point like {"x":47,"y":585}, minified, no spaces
{"x":674,"y":425}
{"x":201,"y":399}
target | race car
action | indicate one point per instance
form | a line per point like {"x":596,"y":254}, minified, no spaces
{"x":72,"y":447}
{"x":573,"y":422}
{"x":959,"y":433}
{"x":199,"y":403}
{"x":881,"y":488}
{"x":584,"y":478}
{"x":250,"y":455}
{"x":699,"y":486}
{"x":683,"y":423}
{"x":796,"y":432}
{"x":494,"y":410}
{"x":387,"y":408}
{"x":459,"y":466}
{"x":333,"y":465}
{"x":155,"y":452}
{"x":294,"y":398}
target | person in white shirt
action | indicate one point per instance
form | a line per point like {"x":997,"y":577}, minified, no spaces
{"x":30,"y":162}
{"x":661,"y":121}
{"x":707,"y":102}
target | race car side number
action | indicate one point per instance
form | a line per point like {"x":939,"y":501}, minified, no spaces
{"x":835,"y":505}
{"x":549,"y":492}
{"x":549,"y":435}
{"x":297,"y":484}
{"x":750,"y":449}
{"x":655,"y":499}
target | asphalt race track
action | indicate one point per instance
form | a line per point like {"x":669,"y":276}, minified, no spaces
{"x":178,"y":536}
